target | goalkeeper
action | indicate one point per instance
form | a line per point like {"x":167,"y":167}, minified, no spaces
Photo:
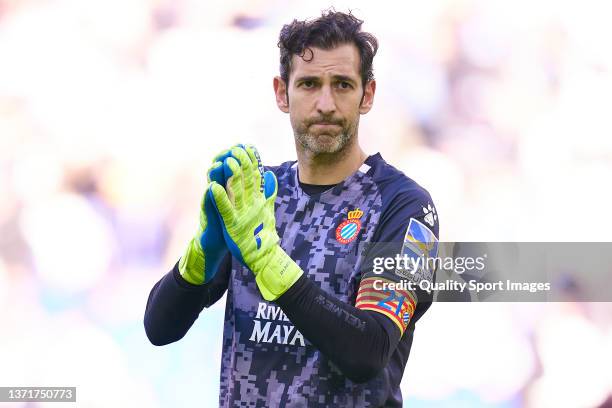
{"x":304,"y":323}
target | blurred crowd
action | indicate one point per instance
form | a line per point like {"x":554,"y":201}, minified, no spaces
{"x":111,"y":111}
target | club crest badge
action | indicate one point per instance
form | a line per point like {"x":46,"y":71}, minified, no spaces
{"x":348,"y":229}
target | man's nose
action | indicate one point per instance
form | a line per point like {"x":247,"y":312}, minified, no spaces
{"x":326,"y":103}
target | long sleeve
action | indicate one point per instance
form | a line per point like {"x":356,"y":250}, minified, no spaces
{"x":360,"y":339}
{"x":359,"y":342}
{"x":174,"y":304}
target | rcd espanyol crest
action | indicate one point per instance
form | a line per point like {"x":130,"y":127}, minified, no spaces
{"x":348,"y":229}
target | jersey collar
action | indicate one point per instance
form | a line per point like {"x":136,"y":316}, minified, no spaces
{"x":336,"y":190}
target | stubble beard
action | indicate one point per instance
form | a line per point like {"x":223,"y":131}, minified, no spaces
{"x":326,"y":144}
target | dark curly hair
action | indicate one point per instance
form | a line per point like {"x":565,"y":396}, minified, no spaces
{"x":328,"y":31}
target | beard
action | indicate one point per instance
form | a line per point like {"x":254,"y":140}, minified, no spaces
{"x":327,"y":140}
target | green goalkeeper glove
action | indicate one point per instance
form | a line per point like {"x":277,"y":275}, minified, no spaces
{"x":246,"y":209}
{"x":207,"y":248}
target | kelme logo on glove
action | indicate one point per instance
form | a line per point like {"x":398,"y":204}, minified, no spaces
{"x":348,"y":229}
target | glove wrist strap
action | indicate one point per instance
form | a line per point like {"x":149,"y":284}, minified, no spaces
{"x":278,"y":275}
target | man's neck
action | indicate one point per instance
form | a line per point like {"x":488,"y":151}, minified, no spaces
{"x":332,"y":168}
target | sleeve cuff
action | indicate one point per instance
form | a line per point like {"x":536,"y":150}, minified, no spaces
{"x":294,"y":292}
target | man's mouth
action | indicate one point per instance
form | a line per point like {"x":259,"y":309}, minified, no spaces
{"x":325,"y":124}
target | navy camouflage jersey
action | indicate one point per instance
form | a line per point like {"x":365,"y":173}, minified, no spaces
{"x":266,"y":361}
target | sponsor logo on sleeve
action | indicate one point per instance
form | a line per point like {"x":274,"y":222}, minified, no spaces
{"x":420,"y":245}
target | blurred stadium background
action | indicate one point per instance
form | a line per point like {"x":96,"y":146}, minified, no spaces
{"x":110,"y":112}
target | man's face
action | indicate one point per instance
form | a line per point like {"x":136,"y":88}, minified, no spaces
{"x":324,"y":98}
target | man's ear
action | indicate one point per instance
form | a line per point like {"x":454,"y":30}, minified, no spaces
{"x":368,"y":97}
{"x":280,"y":90}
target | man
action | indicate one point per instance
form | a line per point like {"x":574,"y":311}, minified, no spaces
{"x":307,"y":322}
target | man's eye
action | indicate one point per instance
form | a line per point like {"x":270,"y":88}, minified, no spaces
{"x":307,"y":84}
{"x":344,"y":85}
